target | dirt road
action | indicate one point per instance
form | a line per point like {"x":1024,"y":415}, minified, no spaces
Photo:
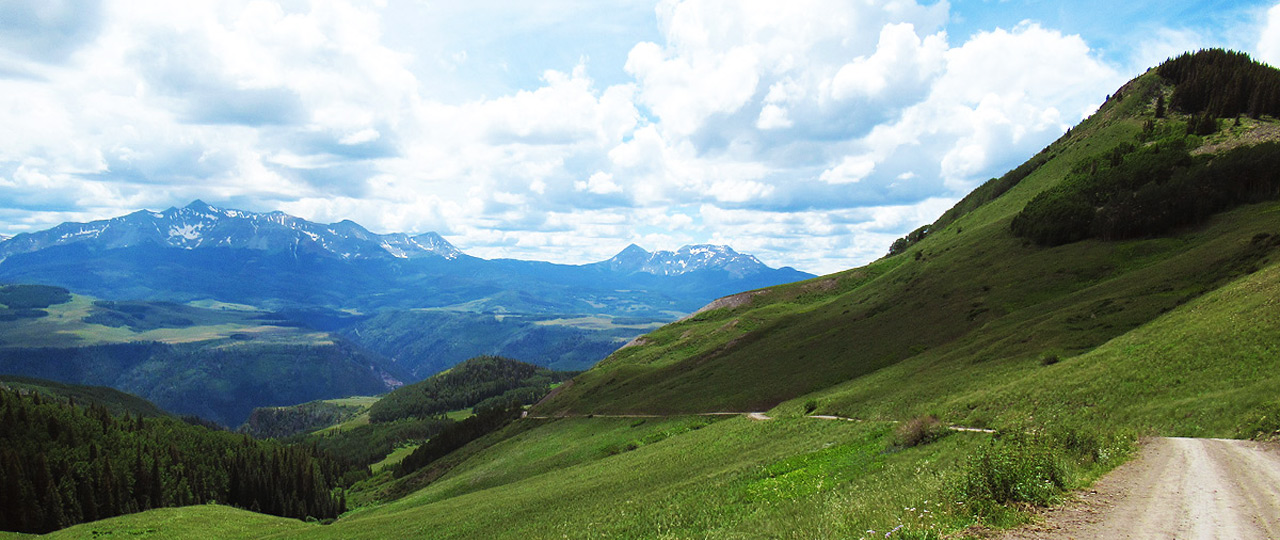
{"x":1176,"y":488}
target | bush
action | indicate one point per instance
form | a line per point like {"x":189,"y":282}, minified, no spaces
{"x":919,"y":431}
{"x":1016,"y":468}
{"x":1036,"y":467}
{"x":1149,"y":191}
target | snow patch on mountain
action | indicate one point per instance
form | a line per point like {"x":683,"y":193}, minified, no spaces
{"x":199,"y":224}
{"x":187,"y":230}
{"x":693,"y":258}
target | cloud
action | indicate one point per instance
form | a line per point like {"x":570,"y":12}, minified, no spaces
{"x":48,"y":30}
{"x":600,"y":183}
{"x":902,"y":62}
{"x":851,"y":170}
{"x":1268,"y":47}
{"x":996,"y":99}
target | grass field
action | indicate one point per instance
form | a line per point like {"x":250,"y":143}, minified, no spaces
{"x":360,"y":419}
{"x":734,"y":478}
{"x":394,"y":458}
{"x":211,"y":522}
{"x":66,"y":326}
{"x":1205,"y":368}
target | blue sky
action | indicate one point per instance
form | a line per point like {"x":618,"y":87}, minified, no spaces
{"x":810,"y":133}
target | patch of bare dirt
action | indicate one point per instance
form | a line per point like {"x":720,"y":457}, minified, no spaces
{"x":824,"y":285}
{"x":731,"y":301}
{"x":1253,"y":132}
{"x":637,"y":342}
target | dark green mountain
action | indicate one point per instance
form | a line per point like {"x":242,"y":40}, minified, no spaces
{"x":114,"y":401}
{"x":68,"y":461}
{"x":480,"y":382}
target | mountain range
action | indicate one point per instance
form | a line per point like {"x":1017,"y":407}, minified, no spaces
{"x":273,"y":259}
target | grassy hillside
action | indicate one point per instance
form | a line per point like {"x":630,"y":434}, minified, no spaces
{"x":206,"y":521}
{"x":434,"y":415}
{"x":1205,"y":369}
{"x":968,"y":292}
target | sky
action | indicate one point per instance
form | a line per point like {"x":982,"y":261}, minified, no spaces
{"x":810,"y":133}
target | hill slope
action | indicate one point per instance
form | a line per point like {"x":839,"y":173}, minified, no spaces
{"x":965,"y":292}
{"x":115,"y":401}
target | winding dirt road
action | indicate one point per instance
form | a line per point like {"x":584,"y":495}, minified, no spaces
{"x":1176,"y":488}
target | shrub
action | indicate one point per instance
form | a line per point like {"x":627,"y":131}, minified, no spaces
{"x":1036,"y":467}
{"x":1015,"y":468}
{"x":920,"y":430}
{"x":1132,"y":193}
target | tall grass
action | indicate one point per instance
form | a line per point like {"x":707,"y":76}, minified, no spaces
{"x":1036,"y":467}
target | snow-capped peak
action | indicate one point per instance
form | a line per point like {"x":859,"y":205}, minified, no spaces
{"x":687,"y":259}
{"x":201,"y":225}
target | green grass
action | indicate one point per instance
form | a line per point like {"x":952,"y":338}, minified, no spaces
{"x":394,"y":458}
{"x":194,"y":522}
{"x":354,"y":401}
{"x":736,"y":478}
{"x":361,"y":418}
{"x":1202,"y":369}
{"x":459,"y":415}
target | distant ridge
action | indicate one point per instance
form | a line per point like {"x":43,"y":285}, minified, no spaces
{"x":273,"y":260}
{"x":691,"y":258}
{"x":200,"y":225}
